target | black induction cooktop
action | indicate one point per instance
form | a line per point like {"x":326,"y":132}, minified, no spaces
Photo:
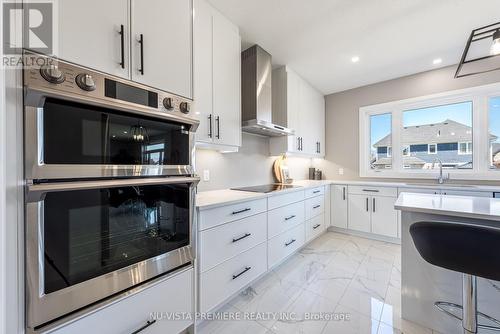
{"x":266,"y":188}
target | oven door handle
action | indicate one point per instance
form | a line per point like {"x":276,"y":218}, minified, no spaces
{"x":36,"y":192}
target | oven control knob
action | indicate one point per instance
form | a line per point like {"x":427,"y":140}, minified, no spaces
{"x":52,"y":74}
{"x":85,"y":82}
{"x":184,"y":107}
{"x":167,"y":103}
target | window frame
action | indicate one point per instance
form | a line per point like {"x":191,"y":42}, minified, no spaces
{"x":468,"y":148}
{"x":429,"y":148}
{"x":389,"y":151}
{"x":479,"y":96}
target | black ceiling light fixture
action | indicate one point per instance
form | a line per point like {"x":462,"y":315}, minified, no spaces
{"x":482,"y":52}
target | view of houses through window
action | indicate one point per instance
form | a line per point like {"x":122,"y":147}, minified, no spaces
{"x":494,"y":124}
{"x":380,"y":131}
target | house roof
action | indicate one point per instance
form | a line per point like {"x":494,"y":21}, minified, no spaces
{"x":447,"y":131}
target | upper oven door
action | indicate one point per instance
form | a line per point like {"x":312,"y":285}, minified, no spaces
{"x":66,"y":139}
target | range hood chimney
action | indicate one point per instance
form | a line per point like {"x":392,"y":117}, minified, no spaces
{"x":256,"y":94}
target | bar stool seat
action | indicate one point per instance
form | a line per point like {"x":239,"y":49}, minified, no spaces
{"x":472,"y":250}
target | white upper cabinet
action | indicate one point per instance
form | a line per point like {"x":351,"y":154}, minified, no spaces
{"x":302,"y":108}
{"x":90,"y":34}
{"x":161,"y":44}
{"x":217,"y":78}
{"x":146,"y":41}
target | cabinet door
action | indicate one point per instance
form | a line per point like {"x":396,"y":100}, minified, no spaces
{"x":339,"y":206}
{"x":359,"y":212}
{"x":89,"y":34}
{"x":203,"y":70}
{"x":226,"y":80}
{"x":166,"y":29}
{"x":384,"y":216}
{"x":293,"y":99}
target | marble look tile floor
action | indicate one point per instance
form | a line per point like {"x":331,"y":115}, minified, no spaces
{"x":357,"y":279}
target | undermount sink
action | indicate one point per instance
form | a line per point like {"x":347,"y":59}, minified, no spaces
{"x":451,"y":185}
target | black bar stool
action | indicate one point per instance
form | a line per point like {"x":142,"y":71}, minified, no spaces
{"x":469,"y":249}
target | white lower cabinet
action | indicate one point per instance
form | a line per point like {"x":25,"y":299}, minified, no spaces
{"x":371,"y":210}
{"x":315,"y":227}
{"x":285,"y":244}
{"x":281,"y":219}
{"x":172,"y":295}
{"x":219,"y":283}
{"x":384,"y":216}
{"x":339,"y":206}
{"x":359,"y":213}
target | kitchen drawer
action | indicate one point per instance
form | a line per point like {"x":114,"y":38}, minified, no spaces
{"x":219,"y":283}
{"x":284,"y":218}
{"x":467,"y":193}
{"x":315,"y":206}
{"x":221,"y":243}
{"x":127,"y":315}
{"x":374,"y":191}
{"x":312,"y":192}
{"x":285,"y":244}
{"x":314,"y":227}
{"x":224,"y":214}
{"x":277,"y":201}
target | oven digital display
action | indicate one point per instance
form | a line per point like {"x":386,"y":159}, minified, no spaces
{"x":124,"y":92}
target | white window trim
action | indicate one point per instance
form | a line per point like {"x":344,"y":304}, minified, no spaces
{"x":389,"y":155}
{"x":429,"y":148}
{"x":479,"y":96}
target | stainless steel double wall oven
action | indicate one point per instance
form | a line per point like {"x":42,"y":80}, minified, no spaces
{"x":110,"y":188}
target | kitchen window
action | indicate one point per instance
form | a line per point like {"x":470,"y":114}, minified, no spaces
{"x":446,"y":126}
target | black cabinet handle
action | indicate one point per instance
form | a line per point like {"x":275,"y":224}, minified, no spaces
{"x":141,"y":42}
{"x":319,"y":147}
{"x":241,"y":211}
{"x":210,"y":126}
{"x":217,"y":120}
{"x":367,"y":209}
{"x":291,"y":217}
{"x":301,"y":143}
{"x":316,"y":191}
{"x":122,"y":45}
{"x":371,"y":190}
{"x":244,"y":271}
{"x":316,"y":206}
{"x":290,"y":242}
{"x":242,"y":237}
{"x":298,"y":143}
{"x":316,"y":226}
{"x":373,"y":204}
{"x":343,"y":193}
{"x":148,"y":323}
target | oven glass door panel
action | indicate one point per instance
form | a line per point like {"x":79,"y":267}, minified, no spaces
{"x":111,"y":236}
{"x":82,"y":140}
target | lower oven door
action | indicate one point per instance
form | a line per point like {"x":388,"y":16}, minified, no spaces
{"x":89,"y":240}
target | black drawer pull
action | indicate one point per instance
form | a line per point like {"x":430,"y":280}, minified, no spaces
{"x":141,"y":42}
{"x":242,"y":237}
{"x":148,"y":323}
{"x":316,"y":206}
{"x":316,"y":226}
{"x":244,"y":271}
{"x":371,"y":190}
{"x":316,"y":191}
{"x":122,"y":45}
{"x":241,"y":211}
{"x":290,"y":242}
{"x":291,"y":217}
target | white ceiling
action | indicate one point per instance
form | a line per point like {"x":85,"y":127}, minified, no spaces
{"x":393,"y":38}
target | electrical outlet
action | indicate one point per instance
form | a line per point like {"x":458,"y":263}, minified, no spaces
{"x":341,"y":171}
{"x":206,"y":175}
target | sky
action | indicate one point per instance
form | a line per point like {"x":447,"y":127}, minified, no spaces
{"x":459,"y":112}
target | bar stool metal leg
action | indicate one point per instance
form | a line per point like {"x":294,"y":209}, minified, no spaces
{"x":469,"y":302}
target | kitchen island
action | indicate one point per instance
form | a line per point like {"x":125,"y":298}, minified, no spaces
{"x":422,"y":284}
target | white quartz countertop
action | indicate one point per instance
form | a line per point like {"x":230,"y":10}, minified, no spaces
{"x":210,"y":199}
{"x":460,"y":206}
{"x":213,"y":198}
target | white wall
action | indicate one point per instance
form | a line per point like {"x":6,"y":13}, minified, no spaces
{"x":252,"y":165}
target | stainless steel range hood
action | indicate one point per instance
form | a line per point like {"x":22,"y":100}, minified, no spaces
{"x":256,"y":96}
